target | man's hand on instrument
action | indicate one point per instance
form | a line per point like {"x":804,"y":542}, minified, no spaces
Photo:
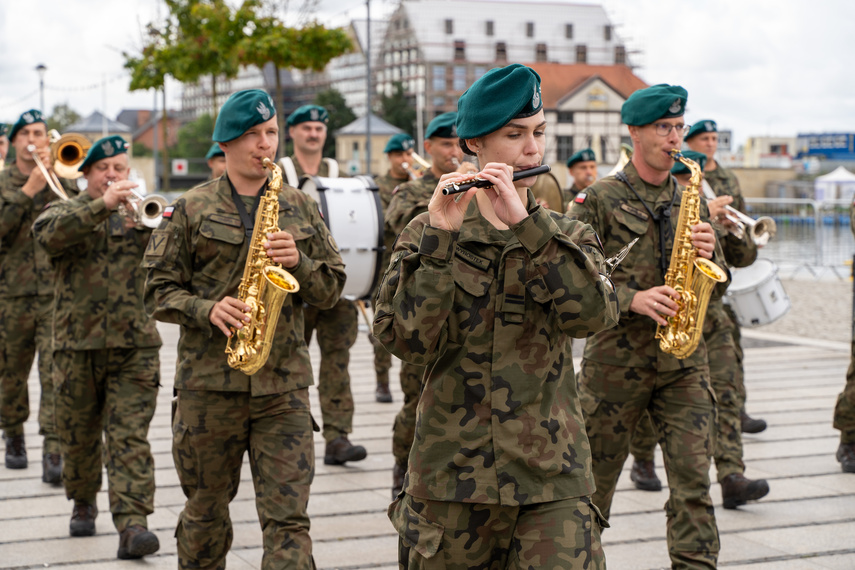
{"x":503,"y":194}
{"x":119,"y":193}
{"x":37,"y":181}
{"x":657,"y":303}
{"x":446,"y":212}
{"x":282,"y":248}
{"x":703,"y":238}
{"x":229,"y":313}
{"x":718,"y":212}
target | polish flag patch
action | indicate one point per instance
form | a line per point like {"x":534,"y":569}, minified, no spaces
{"x":167,"y":212}
{"x":580,"y":198}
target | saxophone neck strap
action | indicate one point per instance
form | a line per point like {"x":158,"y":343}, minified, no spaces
{"x":248,"y":218}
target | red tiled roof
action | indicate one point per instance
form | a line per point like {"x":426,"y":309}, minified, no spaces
{"x":560,"y":79}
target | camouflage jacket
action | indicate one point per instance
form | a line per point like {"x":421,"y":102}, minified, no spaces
{"x":725,"y":183}
{"x":25,"y":268}
{"x":387,"y":184}
{"x":99,"y":282}
{"x":618,"y":217}
{"x":197,"y":256}
{"x":570,"y":195}
{"x":410,"y":200}
{"x":492,"y":313}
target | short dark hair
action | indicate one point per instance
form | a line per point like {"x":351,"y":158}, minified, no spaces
{"x":465,"y":147}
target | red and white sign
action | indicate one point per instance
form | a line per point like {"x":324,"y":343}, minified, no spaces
{"x":179,"y":167}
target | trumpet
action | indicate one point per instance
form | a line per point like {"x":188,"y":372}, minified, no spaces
{"x":419,"y":167}
{"x":145,"y":211}
{"x":761,"y":230}
{"x":67,"y":153}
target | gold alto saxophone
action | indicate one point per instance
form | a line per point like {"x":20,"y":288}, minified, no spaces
{"x":693,"y":277}
{"x":263,"y":287}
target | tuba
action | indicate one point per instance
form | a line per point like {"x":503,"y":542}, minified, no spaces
{"x":263,"y":287}
{"x":623,"y":159}
{"x":692,"y":276}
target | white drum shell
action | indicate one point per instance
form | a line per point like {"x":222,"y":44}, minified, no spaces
{"x":756,"y":294}
{"x":353,"y":212}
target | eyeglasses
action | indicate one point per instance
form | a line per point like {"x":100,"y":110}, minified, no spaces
{"x":664,"y":129}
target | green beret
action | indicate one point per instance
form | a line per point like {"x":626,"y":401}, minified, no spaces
{"x":28,"y":118}
{"x":497,"y":97}
{"x":214,"y":151}
{"x":658,"y":102}
{"x":3,"y":128}
{"x":699,"y":157}
{"x":400,"y":142}
{"x":104,"y":148}
{"x":242,"y":111}
{"x":705,"y":126}
{"x":308,"y":113}
{"x":584,"y":155}
{"x":443,"y":126}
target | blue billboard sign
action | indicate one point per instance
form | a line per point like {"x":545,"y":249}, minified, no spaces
{"x":830,"y":146}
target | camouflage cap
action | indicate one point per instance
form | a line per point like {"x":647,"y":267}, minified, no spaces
{"x":703,"y":126}
{"x":497,"y":97}
{"x":214,"y":151}
{"x":242,"y":111}
{"x":27,"y":118}
{"x":400,"y":142}
{"x":104,"y":148}
{"x":680,"y":168}
{"x":658,"y":102}
{"x":584,"y":155}
{"x":308,"y":113}
{"x":443,"y":126}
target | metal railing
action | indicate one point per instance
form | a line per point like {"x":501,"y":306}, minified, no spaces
{"x":812,"y":235}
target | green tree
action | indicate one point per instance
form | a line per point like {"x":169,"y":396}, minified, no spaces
{"x":194,"y":138}
{"x":61,"y":117}
{"x":398,"y":110}
{"x":340,"y":115}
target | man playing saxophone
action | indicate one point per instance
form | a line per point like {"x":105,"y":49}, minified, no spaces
{"x":26,"y":294}
{"x":624,"y":372}
{"x":105,"y":360}
{"x":195,"y":262}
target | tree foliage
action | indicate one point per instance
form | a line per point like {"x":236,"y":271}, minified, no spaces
{"x":398,"y":110}
{"x":194,"y":138}
{"x":340,"y":115}
{"x":61,"y":117}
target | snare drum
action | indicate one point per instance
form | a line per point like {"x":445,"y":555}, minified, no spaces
{"x":756,"y":294}
{"x":354,"y":214}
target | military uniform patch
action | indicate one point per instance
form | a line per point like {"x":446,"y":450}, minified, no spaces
{"x":157,"y":243}
{"x":580,"y":197}
{"x":332,"y":243}
{"x":635,"y":211}
{"x":167,"y":212}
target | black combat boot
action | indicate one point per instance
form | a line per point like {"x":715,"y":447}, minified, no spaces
{"x":83,"y":519}
{"x":52,"y":469}
{"x":382,"y":394}
{"x":16,"y":452}
{"x":398,"y":473}
{"x":750,"y":425}
{"x":737,"y":490}
{"x":136,"y":541}
{"x":644,"y":476}
{"x":339,"y":451}
{"x":846,"y":457}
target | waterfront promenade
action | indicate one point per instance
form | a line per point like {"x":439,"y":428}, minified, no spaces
{"x":794,"y":369}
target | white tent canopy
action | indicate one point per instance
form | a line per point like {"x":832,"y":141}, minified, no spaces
{"x":837,"y":184}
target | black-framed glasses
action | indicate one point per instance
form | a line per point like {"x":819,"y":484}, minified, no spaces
{"x":664,"y":129}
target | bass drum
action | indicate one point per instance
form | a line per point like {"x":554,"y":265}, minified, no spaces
{"x":354,"y":214}
{"x":756,"y":294}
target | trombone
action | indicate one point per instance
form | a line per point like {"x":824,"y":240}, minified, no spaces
{"x":419,"y":167}
{"x":67,"y":153}
{"x":761,"y":230}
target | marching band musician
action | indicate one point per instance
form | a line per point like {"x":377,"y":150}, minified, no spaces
{"x":399,"y":151}
{"x":582,"y":168}
{"x":703,"y":137}
{"x":26,"y":295}
{"x":105,"y":360}
{"x":4,"y":144}
{"x":216,"y":161}
{"x":195,"y":262}
{"x":736,"y":489}
{"x":624,"y":372}
{"x":844,"y":409}
{"x":487,"y":288}
{"x":409,"y":200}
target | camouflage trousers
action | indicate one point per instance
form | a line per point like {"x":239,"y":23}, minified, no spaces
{"x":736,"y":334}
{"x":727,"y":433}
{"x":404,"y":429}
{"x":382,"y":361}
{"x":442,"y":535}
{"x":681,"y":404}
{"x":211,"y":431}
{"x":26,"y":328}
{"x":337,"y":330}
{"x":844,"y":410}
{"x":114,"y":392}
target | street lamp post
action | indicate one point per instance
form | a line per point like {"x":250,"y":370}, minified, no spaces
{"x":41,"y":68}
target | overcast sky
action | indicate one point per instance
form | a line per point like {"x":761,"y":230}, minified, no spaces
{"x":758,"y":67}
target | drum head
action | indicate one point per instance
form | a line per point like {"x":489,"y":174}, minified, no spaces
{"x":749,"y":277}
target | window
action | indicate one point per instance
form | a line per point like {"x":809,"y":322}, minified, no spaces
{"x":449,"y":26}
{"x":603,"y":141}
{"x":540,"y":52}
{"x":529,"y":29}
{"x":565,"y":147}
{"x":620,"y":55}
{"x":607,"y":33}
{"x":778,"y":149}
{"x":489,"y":28}
{"x":438,"y":101}
{"x":479,"y":71}
{"x":439,"y":83}
{"x":460,"y":78}
{"x":568,"y":31}
{"x":565,"y":116}
{"x":581,"y":54}
{"x":459,"y":50}
{"x":501,"y":51}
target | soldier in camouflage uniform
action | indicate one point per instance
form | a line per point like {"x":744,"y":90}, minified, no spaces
{"x":703,"y":138}
{"x":487,"y":289}
{"x":195,"y":262}
{"x":399,"y":151}
{"x":582,"y":168}
{"x":337,"y":327}
{"x":624,"y":372}
{"x":409,"y":200}
{"x":106,"y":365}
{"x":4,"y":144}
{"x":216,"y":160}
{"x":26,"y":294}
{"x":844,"y":411}
{"x":735,"y":488}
